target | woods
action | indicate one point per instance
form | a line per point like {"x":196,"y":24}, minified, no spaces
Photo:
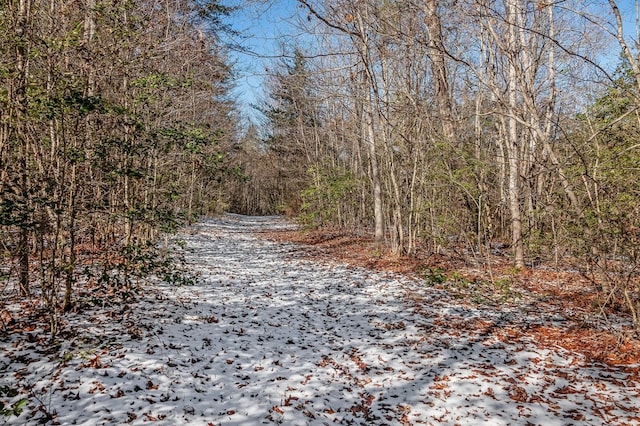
{"x":437,"y":127}
{"x":467,"y":125}
{"x":154,"y":250}
{"x":115,"y":125}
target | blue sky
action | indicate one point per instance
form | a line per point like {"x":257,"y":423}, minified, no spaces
{"x":265,"y":26}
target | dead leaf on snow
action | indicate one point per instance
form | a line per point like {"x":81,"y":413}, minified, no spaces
{"x":519,"y":394}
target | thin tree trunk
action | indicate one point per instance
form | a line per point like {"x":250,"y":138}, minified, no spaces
{"x":512,"y":143}
{"x":22,"y":68}
{"x":375,"y":171}
{"x":370,"y":133}
{"x":439,"y":69}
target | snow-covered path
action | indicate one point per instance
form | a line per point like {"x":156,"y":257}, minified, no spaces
{"x":270,"y":338}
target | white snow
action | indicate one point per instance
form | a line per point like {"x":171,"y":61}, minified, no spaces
{"x":270,"y":338}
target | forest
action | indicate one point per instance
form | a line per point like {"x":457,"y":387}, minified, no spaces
{"x":115,"y":128}
{"x":434,"y":127}
{"x":467,"y":129}
{"x":476,"y":125}
{"x":473,"y":127}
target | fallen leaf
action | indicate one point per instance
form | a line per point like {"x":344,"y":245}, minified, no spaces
{"x":287,"y":402}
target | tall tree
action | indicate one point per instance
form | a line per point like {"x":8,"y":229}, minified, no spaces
{"x":115,"y":122}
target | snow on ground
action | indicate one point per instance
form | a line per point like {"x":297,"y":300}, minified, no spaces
{"x":270,"y":338}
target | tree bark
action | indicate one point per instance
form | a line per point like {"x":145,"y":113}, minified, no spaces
{"x":436,"y":50}
{"x":512,"y":143}
{"x":20,"y":96}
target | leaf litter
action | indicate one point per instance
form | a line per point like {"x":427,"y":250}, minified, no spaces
{"x":269,"y":336}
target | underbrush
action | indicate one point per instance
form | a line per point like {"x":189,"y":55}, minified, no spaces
{"x":119,"y":278}
{"x":480,"y":291}
{"x":107,"y":285}
{"x":111,"y":277}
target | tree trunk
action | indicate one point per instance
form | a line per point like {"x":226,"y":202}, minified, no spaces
{"x":368,"y":87}
{"x":370,"y":137}
{"x":22,"y":76}
{"x":512,"y":143}
{"x":439,"y":69}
